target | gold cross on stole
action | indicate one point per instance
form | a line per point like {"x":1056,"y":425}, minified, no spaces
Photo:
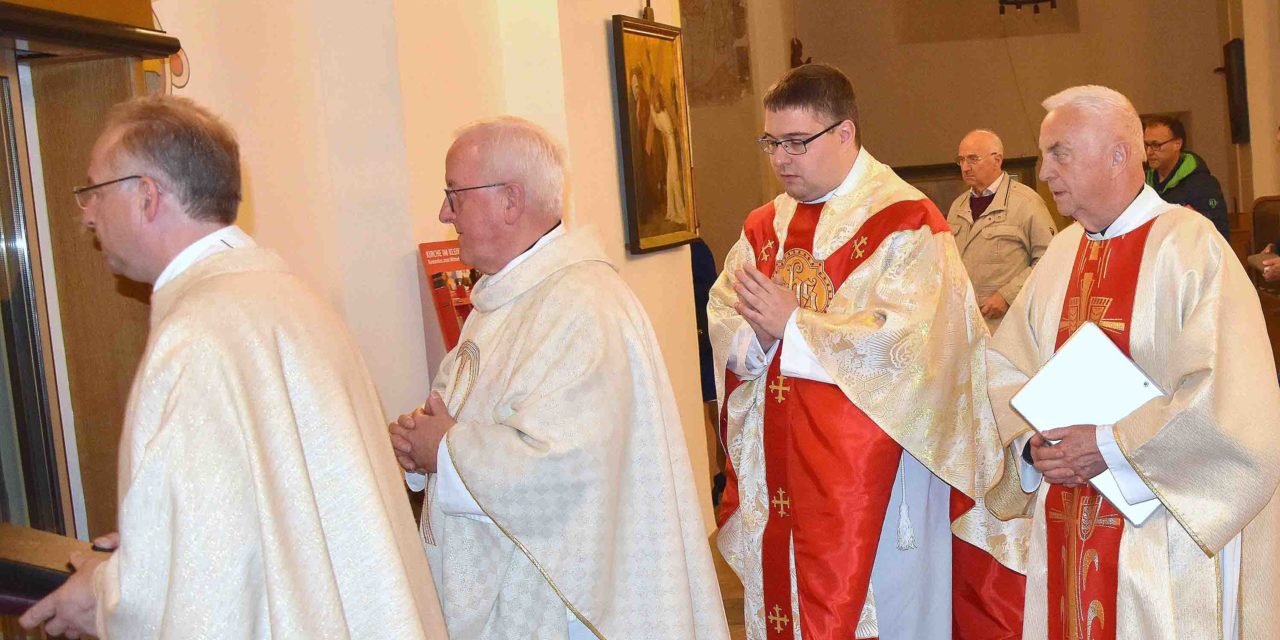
{"x":859,"y":248}
{"x":778,"y":619}
{"x":782,"y":503}
{"x":779,"y":387}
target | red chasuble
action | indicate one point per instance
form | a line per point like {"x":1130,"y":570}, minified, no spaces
{"x":1083,"y":528}
{"x":830,"y":469}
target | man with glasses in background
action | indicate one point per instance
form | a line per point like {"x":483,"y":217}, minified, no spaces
{"x":1001,"y":225}
{"x":850,"y":371}
{"x":1180,"y":176}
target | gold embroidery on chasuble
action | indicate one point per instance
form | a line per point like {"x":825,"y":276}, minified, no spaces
{"x":805,"y":276}
{"x":764,"y":251}
{"x":1079,"y":561}
{"x":464,"y":375}
{"x":1087,"y":307}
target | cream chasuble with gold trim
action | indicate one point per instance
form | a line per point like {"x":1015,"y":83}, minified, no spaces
{"x":569,"y":440}
{"x":258,"y":495}
{"x":1207,"y":449}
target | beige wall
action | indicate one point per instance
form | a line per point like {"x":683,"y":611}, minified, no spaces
{"x":345,"y":111}
{"x":915,"y":98}
{"x":730,"y":175}
{"x":662,"y":280}
{"x":1261,"y":33}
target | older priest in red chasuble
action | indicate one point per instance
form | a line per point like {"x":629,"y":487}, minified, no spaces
{"x":850,"y":356}
{"x":1166,"y":288}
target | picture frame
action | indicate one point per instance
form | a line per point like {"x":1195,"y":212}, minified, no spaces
{"x":653,"y":125}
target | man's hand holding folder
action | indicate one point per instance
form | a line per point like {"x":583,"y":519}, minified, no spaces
{"x":1069,"y":455}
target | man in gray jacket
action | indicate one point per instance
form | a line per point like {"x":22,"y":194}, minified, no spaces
{"x":1001,"y":226}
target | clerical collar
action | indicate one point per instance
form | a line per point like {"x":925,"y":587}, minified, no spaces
{"x":991,"y":188}
{"x":1147,"y":205}
{"x":224,"y":239}
{"x":551,"y":234}
{"x":850,"y":181}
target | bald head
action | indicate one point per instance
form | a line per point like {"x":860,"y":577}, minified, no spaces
{"x":981,"y":158}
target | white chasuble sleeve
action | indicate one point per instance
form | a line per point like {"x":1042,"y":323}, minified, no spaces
{"x":897,"y":337}
{"x":1200,"y":447}
{"x":733,"y":342}
{"x":798,"y":359}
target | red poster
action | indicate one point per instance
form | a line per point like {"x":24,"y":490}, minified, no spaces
{"x":450,"y":281}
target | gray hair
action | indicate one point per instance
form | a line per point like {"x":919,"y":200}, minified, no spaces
{"x":193,"y":150}
{"x":1109,"y":106}
{"x":518,"y":150}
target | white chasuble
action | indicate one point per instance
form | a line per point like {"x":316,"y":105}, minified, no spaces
{"x":1206,"y":449}
{"x":258,"y":495}
{"x":569,"y":440}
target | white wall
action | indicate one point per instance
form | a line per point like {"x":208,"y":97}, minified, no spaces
{"x":344,"y":112}
{"x":312,"y":90}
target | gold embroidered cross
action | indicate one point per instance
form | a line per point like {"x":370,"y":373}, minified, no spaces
{"x":764,"y":251}
{"x":778,"y":619}
{"x":779,"y":387}
{"x":1091,"y":308}
{"x":859,"y":248}
{"x":782,"y":503}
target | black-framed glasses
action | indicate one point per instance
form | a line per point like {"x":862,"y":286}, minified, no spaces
{"x":1155,"y":146}
{"x":793,"y":147}
{"x":971,"y":159}
{"x":451,"y":195}
{"x":84,"y":195}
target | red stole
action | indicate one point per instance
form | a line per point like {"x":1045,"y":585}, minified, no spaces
{"x":829,"y":468}
{"x":1083,"y":528}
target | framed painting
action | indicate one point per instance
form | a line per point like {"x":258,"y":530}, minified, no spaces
{"x":653,"y":117}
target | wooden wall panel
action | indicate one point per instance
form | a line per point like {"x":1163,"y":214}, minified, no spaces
{"x":104,"y":317}
{"x":134,"y":12}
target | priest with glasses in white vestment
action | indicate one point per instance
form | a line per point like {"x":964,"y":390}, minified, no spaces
{"x":560,"y":499}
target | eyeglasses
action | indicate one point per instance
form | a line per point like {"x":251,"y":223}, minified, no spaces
{"x":451,"y":195}
{"x":971,"y":159}
{"x":84,"y":195}
{"x":793,"y":147}
{"x":1155,"y":146}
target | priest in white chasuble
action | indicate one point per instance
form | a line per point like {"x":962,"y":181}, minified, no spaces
{"x":851,"y":370}
{"x":560,"y":498}
{"x":1166,"y":288}
{"x":257,"y":496}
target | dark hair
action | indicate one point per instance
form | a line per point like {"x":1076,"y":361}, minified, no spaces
{"x":1174,"y":125}
{"x":820,"y":88}
{"x":194,"y":150}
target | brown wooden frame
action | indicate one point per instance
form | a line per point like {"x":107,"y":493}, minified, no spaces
{"x":649,"y":227}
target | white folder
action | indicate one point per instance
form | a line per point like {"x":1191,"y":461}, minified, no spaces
{"x":1089,"y":381}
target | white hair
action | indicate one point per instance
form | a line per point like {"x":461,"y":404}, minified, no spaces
{"x":520,"y":151}
{"x":1108,"y":106}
